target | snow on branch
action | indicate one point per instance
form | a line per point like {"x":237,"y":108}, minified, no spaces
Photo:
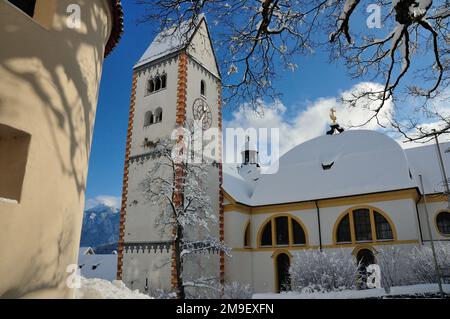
{"x":258,"y":41}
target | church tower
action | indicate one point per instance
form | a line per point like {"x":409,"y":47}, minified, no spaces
{"x":176,"y":75}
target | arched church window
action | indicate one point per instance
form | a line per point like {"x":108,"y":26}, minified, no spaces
{"x":361,"y":218}
{"x":203,"y":88}
{"x":364,"y":225}
{"x":163,"y":81}
{"x":298,"y":233}
{"x":443,"y":222}
{"x":343,"y":231}
{"x":383,"y":229}
{"x":247,"y":236}
{"x":158,"y":115}
{"x":148,"y":118}
{"x":282,"y":230}
{"x":266,"y":237}
{"x":151,"y":86}
{"x":287,"y":231}
{"x":157,"y":83}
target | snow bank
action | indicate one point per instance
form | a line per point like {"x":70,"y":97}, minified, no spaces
{"x":94,"y":288}
{"x":358,"y":294}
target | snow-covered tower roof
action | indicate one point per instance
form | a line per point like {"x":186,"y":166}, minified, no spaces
{"x":173,"y":40}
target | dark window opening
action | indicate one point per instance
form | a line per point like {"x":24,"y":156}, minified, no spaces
{"x":298,"y":233}
{"x":382,"y":226}
{"x":158,"y":115}
{"x":148,"y":118}
{"x":157,"y":84}
{"x":26,"y":6}
{"x":343,"y":231}
{"x":284,"y":279}
{"x":203,"y":88}
{"x":247,"y":236}
{"x":327,"y":166}
{"x":363,"y":231}
{"x":151,"y":86}
{"x":282,"y":230}
{"x":14,"y":145}
{"x":163,"y":81}
{"x":247,"y":157}
{"x":266,"y":237}
{"x":443,"y":222}
{"x":364,"y":258}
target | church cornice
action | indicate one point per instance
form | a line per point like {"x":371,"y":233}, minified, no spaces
{"x":408,"y":193}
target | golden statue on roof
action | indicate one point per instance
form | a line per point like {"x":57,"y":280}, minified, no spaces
{"x":333,"y":115}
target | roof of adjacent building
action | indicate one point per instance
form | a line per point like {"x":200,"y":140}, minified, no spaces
{"x":98,"y":266}
{"x":358,"y":161}
{"x":86,"y":251}
{"x":117,"y":25}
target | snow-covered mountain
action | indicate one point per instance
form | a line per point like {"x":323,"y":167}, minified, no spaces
{"x":100,"y":226}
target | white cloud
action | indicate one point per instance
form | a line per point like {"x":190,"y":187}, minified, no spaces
{"x":111,"y":201}
{"x":302,"y":124}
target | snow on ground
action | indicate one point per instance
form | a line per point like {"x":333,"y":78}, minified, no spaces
{"x":94,"y":288}
{"x":358,"y":294}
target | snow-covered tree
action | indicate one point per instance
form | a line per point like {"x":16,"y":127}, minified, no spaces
{"x":394,"y":267}
{"x":421,"y":264}
{"x":236,"y":290}
{"x":323,"y":271}
{"x":259,"y":40}
{"x":178,"y":188}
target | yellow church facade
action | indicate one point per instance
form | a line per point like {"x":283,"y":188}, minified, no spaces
{"x":358,"y":191}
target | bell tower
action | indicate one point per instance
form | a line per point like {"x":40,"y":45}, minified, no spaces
{"x":176,"y":82}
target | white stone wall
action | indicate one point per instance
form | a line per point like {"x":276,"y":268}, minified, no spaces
{"x":139,"y":265}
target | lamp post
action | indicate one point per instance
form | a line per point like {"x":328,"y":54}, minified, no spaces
{"x":436,"y":265}
{"x":441,"y":165}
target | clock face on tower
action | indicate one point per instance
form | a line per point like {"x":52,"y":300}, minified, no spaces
{"x":202,"y":113}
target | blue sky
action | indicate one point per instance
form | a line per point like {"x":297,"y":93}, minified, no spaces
{"x":313,"y":87}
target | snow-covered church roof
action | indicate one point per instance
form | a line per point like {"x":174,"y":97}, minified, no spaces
{"x":169,"y":41}
{"x":330,"y":166}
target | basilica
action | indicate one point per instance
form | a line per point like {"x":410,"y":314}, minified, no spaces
{"x":355,"y":190}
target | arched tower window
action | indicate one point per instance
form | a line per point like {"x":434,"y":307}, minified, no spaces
{"x":443,"y":222}
{"x":364,"y":224}
{"x":203,"y":87}
{"x":148,"y":118}
{"x":281,"y":231}
{"x":163,"y":81}
{"x":157,"y":83}
{"x":151,"y":86}
{"x":158,"y":115}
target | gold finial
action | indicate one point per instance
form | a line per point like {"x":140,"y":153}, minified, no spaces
{"x":333,"y":115}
